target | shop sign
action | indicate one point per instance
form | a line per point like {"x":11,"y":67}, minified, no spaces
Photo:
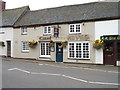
{"x":78,"y":37}
{"x":56,"y":32}
{"x":110,"y":38}
{"x":44,"y":38}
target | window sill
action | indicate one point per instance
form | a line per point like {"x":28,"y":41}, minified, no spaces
{"x":46,"y":34}
{"x":44,"y":56}
{"x":25,"y":51}
{"x":74,"y":33}
{"x":2,"y":32}
{"x":23,"y":34}
{"x":79,"y":58}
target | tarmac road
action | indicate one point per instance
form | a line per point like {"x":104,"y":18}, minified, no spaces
{"x":17,"y":74}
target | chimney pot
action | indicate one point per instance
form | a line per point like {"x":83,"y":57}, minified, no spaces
{"x":2,"y":5}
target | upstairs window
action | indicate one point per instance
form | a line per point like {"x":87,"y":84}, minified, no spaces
{"x":24,"y":31}
{"x":74,"y":28}
{"x":47,"y":30}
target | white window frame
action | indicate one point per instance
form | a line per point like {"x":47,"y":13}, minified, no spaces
{"x":81,"y":49}
{"x":48,"y":56}
{"x":26,"y":49}
{"x":75,"y":32}
{"x":47,"y":28}
{"x":24,"y":30}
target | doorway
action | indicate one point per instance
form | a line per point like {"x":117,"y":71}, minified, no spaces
{"x":109,"y":53}
{"x":59,"y":52}
{"x":118,"y":51}
{"x":8,"y":48}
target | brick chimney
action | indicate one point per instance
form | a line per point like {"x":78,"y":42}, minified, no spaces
{"x":2,"y":5}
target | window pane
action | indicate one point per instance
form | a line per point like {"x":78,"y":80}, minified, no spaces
{"x":42,"y":48}
{"x":77,"y":28}
{"x":78,"y":50}
{"x":85,"y":50}
{"x":25,"y":46}
{"x":47,"y":49}
{"x":25,"y":29}
{"x":49,"y":29}
{"x":71,"y":28}
{"x":71,"y":50}
{"x":45,"y":30}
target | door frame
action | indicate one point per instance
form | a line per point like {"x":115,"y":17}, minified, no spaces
{"x":56,"y":52}
{"x":114,"y":52}
{"x":7,"y":48}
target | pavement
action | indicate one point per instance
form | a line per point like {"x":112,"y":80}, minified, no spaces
{"x":105,"y":68}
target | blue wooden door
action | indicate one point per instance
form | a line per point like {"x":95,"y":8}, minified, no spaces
{"x":59,"y":53}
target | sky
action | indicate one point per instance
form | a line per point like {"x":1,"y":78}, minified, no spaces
{"x":41,"y":4}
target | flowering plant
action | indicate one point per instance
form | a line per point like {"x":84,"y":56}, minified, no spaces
{"x":2,"y":43}
{"x":32,"y":43}
{"x":64,"y":43}
{"x":98,"y":44}
{"x":52,"y":44}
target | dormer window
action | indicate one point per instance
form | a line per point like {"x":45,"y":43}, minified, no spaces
{"x":47,"y":30}
{"x":74,"y":28}
{"x":24,"y":31}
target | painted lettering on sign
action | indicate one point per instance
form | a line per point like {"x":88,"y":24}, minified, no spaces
{"x":78,"y":37}
{"x":44,"y":38}
{"x":110,"y":38}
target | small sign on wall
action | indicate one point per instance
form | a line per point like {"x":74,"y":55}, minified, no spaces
{"x":52,"y":49}
{"x":56,"y":32}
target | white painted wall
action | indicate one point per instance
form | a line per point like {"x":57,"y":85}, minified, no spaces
{"x":6,"y":36}
{"x":119,"y":27}
{"x":104,"y":28}
{"x":118,"y":63}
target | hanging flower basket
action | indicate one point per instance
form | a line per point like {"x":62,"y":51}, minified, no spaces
{"x":64,"y":44}
{"x":2,"y":43}
{"x":32,"y":44}
{"x":98,"y":44}
{"x":52,"y":44}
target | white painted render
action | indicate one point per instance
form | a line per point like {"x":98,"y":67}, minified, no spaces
{"x":34,"y":33}
{"x":104,"y":28}
{"x":118,"y":63}
{"x":119,"y":27}
{"x":6,"y":35}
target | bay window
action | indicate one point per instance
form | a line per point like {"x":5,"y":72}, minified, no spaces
{"x":79,"y":50}
{"x":44,"y":49}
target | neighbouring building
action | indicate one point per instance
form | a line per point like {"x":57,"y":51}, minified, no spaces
{"x":108,"y":31}
{"x":9,"y":17}
{"x":67,"y":34}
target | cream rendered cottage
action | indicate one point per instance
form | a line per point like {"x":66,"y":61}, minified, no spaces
{"x":67,"y":34}
{"x":9,"y":17}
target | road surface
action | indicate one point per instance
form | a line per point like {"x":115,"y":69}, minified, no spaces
{"x":17,"y":74}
